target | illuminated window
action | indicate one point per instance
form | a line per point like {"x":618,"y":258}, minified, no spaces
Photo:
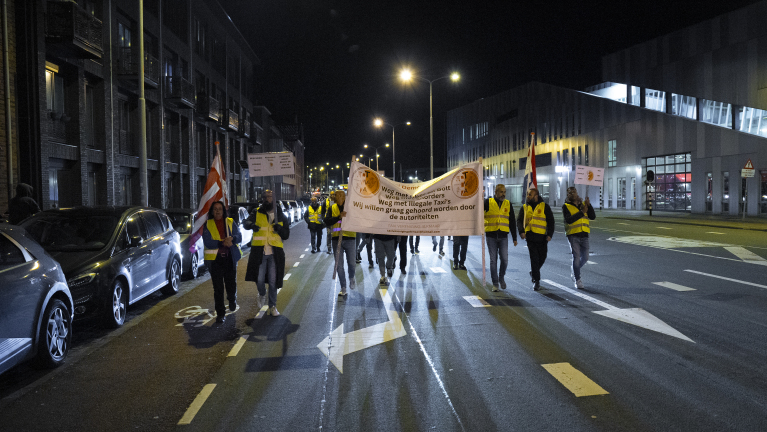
{"x":655,"y":100}
{"x":612,"y":154}
{"x":684,"y":106}
{"x":716,"y":113}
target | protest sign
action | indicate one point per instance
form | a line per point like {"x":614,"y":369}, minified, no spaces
{"x":589,"y":175}
{"x":449,"y":205}
{"x":269,"y":164}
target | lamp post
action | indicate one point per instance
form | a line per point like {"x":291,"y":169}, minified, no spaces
{"x":406,"y":75}
{"x":379,"y":123}
{"x":376,"y":148}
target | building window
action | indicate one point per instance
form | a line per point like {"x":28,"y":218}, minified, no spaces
{"x":684,"y":106}
{"x":753,"y":121}
{"x":609,"y":193}
{"x":621,"y":193}
{"x":565,"y":157}
{"x":710,"y":192}
{"x":612,"y":153}
{"x":763,"y":195}
{"x":655,"y":100}
{"x":725,"y":191}
{"x":673,"y":180}
{"x":586,"y":154}
{"x":635,"y":95}
{"x":716,"y":113}
{"x":54,"y":91}
{"x":580,"y":156}
{"x":90,"y":118}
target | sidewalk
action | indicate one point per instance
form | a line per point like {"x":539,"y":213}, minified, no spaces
{"x":724,"y":221}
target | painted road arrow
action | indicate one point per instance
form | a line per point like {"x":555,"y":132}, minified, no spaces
{"x":338,"y":343}
{"x":635,"y":316}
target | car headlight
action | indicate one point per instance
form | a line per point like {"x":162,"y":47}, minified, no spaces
{"x":80,"y":280}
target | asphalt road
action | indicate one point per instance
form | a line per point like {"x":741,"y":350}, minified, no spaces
{"x":669,"y":334}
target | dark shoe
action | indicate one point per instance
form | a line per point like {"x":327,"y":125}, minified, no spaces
{"x":434,"y":248}
{"x":359,"y":259}
{"x":232,"y":306}
{"x":503,"y":284}
{"x":403,"y":271}
{"x":389,"y":272}
{"x":495,"y":287}
{"x":329,"y":252}
{"x":442,"y":253}
{"x":531,"y":276}
{"x":314,"y":250}
{"x":371,"y":265}
{"x":220,"y":319}
{"x":412,"y":251}
{"x":455,"y":266}
{"x":536,"y":286}
{"x":417,"y":251}
{"x":461,"y":266}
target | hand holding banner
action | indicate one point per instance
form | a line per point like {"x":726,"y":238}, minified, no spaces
{"x":589,"y":175}
{"x":448,"y":205}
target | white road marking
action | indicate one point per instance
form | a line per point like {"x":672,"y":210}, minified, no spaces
{"x":476,"y":301}
{"x":590,"y":262}
{"x":674,"y":286}
{"x":302,"y":255}
{"x":746,"y":255}
{"x":713,"y":232}
{"x":437,"y":270}
{"x":196,"y":404}
{"x":621,"y":223}
{"x":338,"y":344}
{"x":663,"y":228}
{"x":236,"y":348}
{"x":306,"y":250}
{"x":574,"y":380}
{"x":287,"y":276}
{"x":296,"y":264}
{"x":635,"y":316}
{"x":728,"y":279}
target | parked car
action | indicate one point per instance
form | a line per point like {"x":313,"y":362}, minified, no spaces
{"x":287,"y":209}
{"x":192,"y":255}
{"x":111,"y":256}
{"x":297,"y":212}
{"x":36,"y":307}
{"x":239,"y":214}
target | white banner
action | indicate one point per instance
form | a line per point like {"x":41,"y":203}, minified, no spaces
{"x":269,"y":164}
{"x":448,"y":205}
{"x":589,"y":175}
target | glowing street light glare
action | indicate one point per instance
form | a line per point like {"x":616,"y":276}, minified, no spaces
{"x":378,"y":122}
{"x":454,"y":76}
{"x":387,"y":144}
{"x":366,"y":146}
{"x":406,"y":75}
{"x":408,"y":123}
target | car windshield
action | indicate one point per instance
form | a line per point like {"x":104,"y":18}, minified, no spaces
{"x":182,"y":222}
{"x":58,"y":232}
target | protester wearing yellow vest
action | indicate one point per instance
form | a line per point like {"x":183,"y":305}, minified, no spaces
{"x":267,"y":258}
{"x":313,"y":218}
{"x":221,"y":237}
{"x":497,"y":216}
{"x":577,"y":214}
{"x":333,"y":218}
{"x":535,"y":224}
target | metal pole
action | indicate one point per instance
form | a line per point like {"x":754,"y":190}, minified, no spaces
{"x":7,"y":84}
{"x":142,"y":109}
{"x":745,"y":200}
{"x":393,"y":168}
{"x":431,"y":133}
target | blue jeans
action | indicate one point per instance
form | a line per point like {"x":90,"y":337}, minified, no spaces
{"x":268,"y":268}
{"x":385,"y":250}
{"x":441,"y":242}
{"x":579,"y":246}
{"x":348,"y":246}
{"x":498,"y":246}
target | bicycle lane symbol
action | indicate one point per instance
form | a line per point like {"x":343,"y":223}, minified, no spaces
{"x":197,"y":316}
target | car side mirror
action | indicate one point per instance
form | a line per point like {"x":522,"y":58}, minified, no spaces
{"x":136,"y":241}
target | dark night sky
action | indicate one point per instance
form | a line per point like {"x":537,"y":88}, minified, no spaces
{"x":334,"y":64}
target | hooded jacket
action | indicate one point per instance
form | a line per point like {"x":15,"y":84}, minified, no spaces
{"x":22,"y":205}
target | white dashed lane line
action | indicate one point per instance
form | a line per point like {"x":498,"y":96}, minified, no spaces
{"x":302,"y":255}
{"x":674,"y":286}
{"x":296,"y":264}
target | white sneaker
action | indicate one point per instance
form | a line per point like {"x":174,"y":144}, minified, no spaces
{"x":273,"y":311}
{"x":579,"y":284}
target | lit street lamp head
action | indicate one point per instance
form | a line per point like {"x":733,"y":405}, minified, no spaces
{"x":406,"y":75}
{"x":378,"y":122}
{"x":454,"y":76}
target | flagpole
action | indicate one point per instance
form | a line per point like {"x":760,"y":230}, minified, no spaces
{"x":482,"y":175}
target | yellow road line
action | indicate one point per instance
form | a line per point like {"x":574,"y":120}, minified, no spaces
{"x":574,"y":380}
{"x":236,"y":348}
{"x":196,"y":404}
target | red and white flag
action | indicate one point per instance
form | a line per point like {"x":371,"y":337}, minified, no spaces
{"x":531,"y":179}
{"x":215,"y":190}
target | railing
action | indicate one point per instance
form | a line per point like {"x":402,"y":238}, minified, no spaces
{"x":233,"y":121}
{"x":179,"y":90}
{"x":79,"y":32}
{"x":207,"y":108}
{"x":127,"y":64}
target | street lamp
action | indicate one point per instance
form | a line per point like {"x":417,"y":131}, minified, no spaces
{"x":379,"y":123}
{"x":377,"y":155}
{"x":407,"y":76}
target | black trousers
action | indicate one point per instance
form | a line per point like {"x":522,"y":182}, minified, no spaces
{"x":538,"y":252}
{"x":417,"y":242}
{"x":316,"y":238}
{"x":402,"y":246}
{"x":460,"y":243}
{"x":223,"y":274}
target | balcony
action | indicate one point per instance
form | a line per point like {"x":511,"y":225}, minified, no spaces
{"x":73,"y":31}
{"x":128,"y":66}
{"x":207,"y":108}
{"x":179,"y":92}
{"x":245,"y":126}
{"x":230,"y":120}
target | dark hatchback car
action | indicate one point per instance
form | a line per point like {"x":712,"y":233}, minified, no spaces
{"x":35,"y":303}
{"x":111,"y":256}
{"x":192,"y":255}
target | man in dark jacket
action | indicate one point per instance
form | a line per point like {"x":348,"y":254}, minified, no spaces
{"x":313,"y":217}
{"x":22,"y":205}
{"x":267,"y":258}
{"x":577,"y":214}
{"x":535,"y":224}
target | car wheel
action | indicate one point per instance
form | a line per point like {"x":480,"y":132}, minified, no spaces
{"x":117,"y":305}
{"x":55,"y":335}
{"x":173,"y":279}
{"x":194,"y":267}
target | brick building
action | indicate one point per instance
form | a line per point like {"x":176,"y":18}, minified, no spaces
{"x":78,"y":111}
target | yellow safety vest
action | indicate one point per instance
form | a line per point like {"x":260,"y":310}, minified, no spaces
{"x":210,"y":254}
{"x":314,"y":215}
{"x":535,"y":220}
{"x":497,"y":218}
{"x":337,"y":227}
{"x":266,"y":232}
{"x":581,"y":225}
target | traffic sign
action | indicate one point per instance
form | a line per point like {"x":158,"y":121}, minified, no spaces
{"x":748,"y":170}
